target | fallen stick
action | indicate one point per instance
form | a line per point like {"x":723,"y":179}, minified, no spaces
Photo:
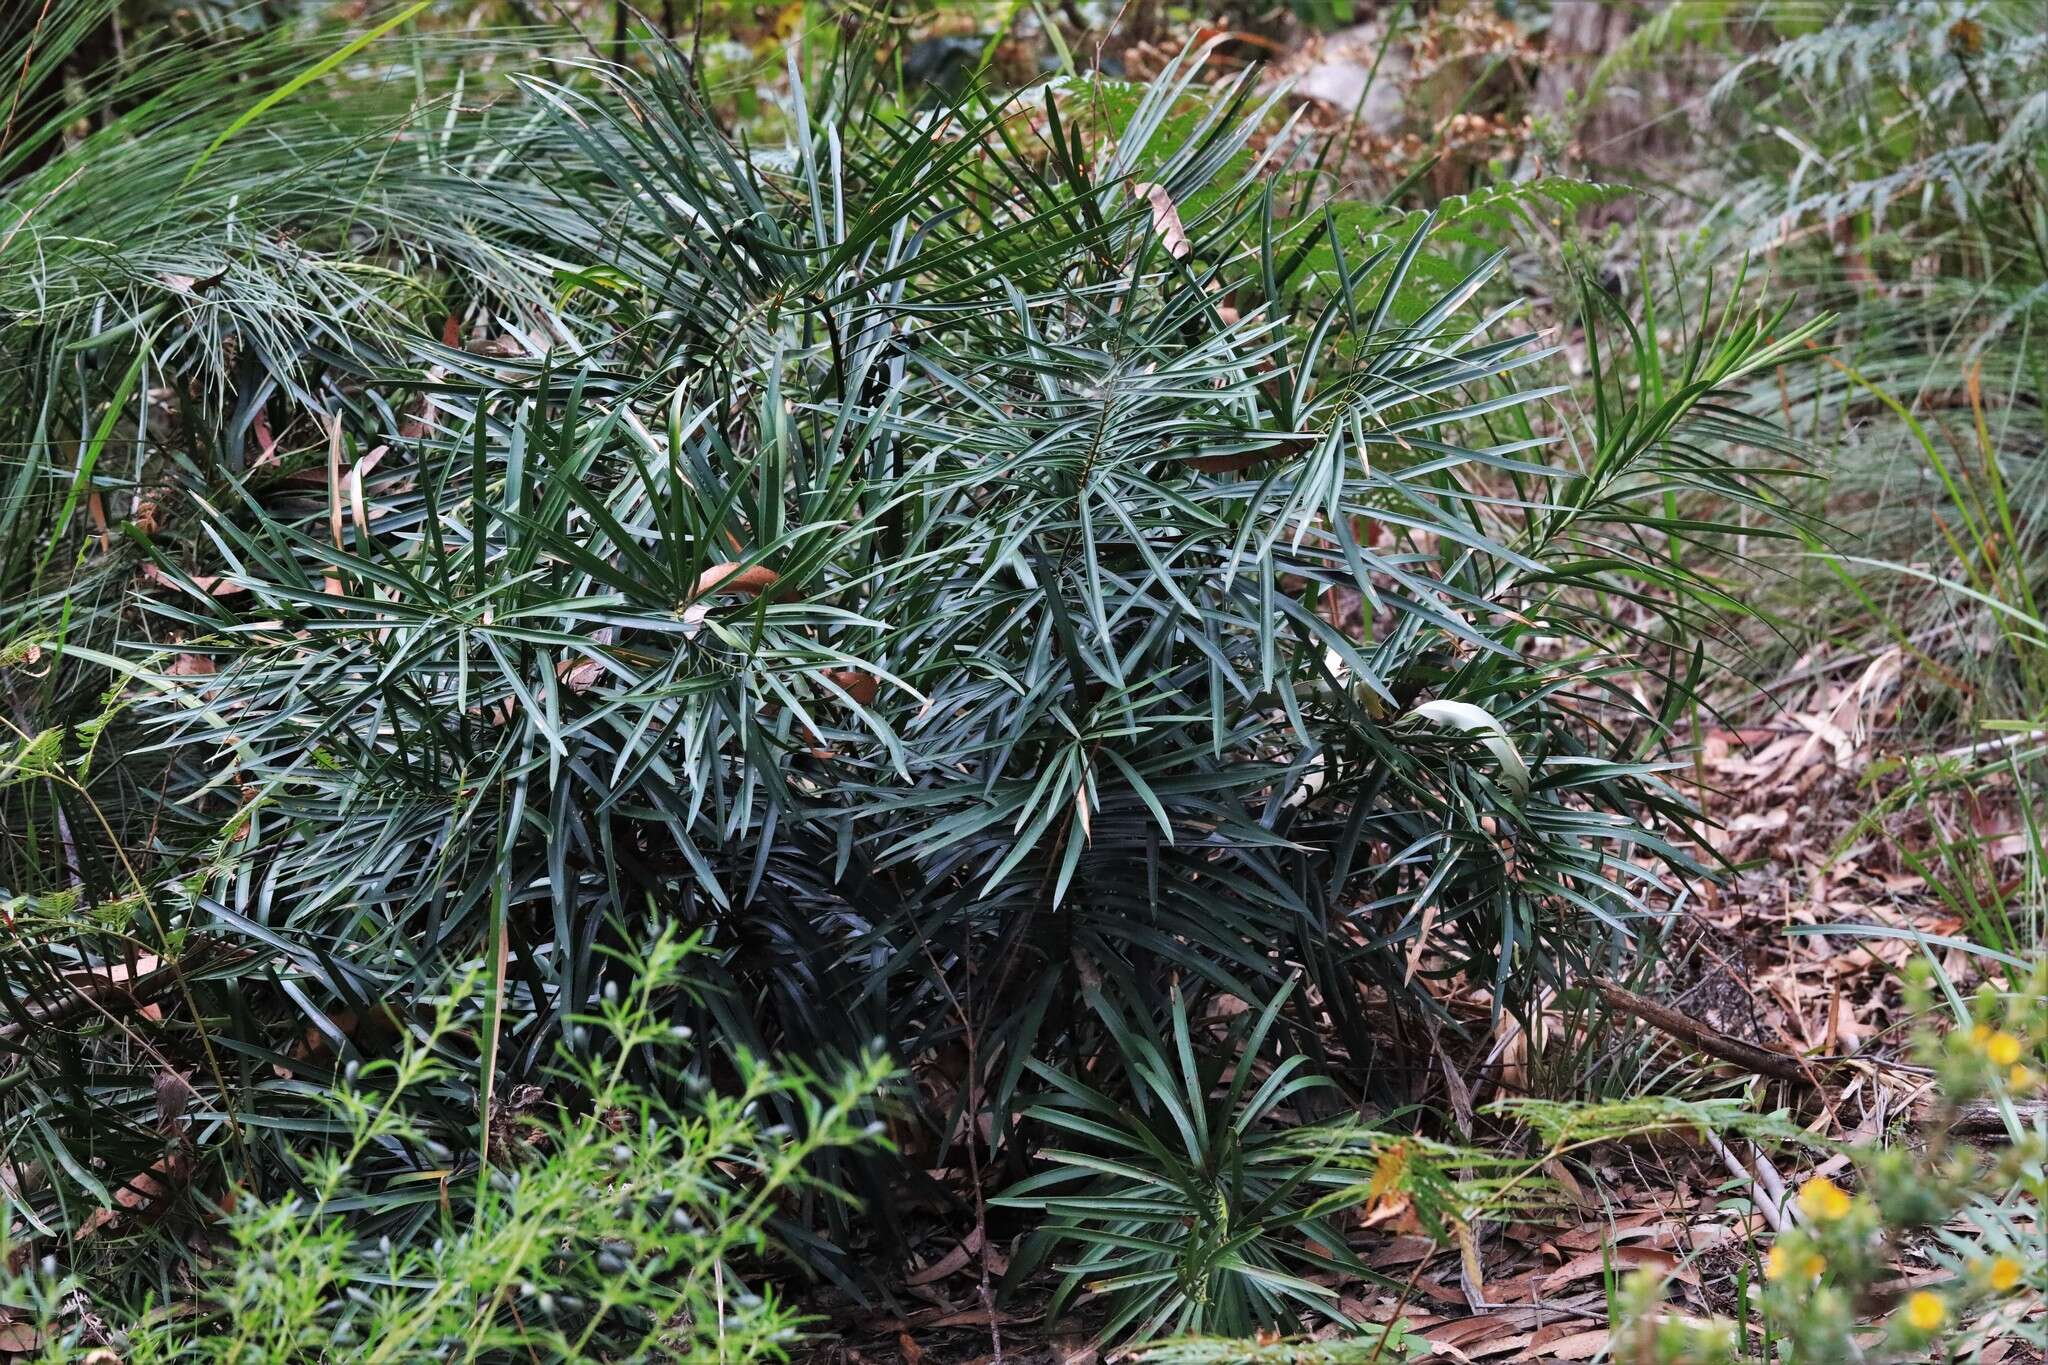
{"x":73,"y":997}
{"x":1718,"y":1045}
{"x":1985,"y":1119}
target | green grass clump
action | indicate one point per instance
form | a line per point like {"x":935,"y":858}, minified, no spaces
{"x":628,"y":1228}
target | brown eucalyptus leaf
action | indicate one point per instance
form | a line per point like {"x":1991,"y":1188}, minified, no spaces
{"x":1165,"y":219}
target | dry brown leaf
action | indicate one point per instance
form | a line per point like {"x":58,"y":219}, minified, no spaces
{"x":1582,"y":1345}
{"x":951,"y":1263}
{"x":580,"y":675}
{"x":1824,"y":731}
{"x":1776,"y":763}
{"x":753,"y":579}
{"x":1619,"y":1258}
{"x":18,"y":1338}
{"x":96,"y":508}
{"x":382,"y":1024}
{"x":211,"y":584}
{"x":1845,"y":728}
{"x":1416,"y":949}
{"x":143,"y":1194}
{"x":266,"y":443}
{"x":1561,"y":1175}
{"x":1402,"y":1251}
{"x":1472,"y":1270}
{"x":1465,"y":1332}
{"x":1387,"y":1208}
{"x":862,"y":687}
{"x":1512,"y":1057}
{"x":1759,"y":821}
{"x":174,"y":1099}
{"x":977,"y":1317}
{"x":1846,"y":1031}
{"x":1165,"y":219}
{"x":1429,"y":1288}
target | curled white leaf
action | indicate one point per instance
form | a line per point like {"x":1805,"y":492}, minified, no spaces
{"x":1313,"y":776}
{"x":1476,"y":720}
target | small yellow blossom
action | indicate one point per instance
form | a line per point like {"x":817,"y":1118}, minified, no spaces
{"x":1778,"y":1265}
{"x":2003,"y":1049}
{"x":1980,"y":1035}
{"x":2004,"y":1273}
{"x":2022,"y":1078}
{"x":1822,"y":1200}
{"x":1925,"y":1312}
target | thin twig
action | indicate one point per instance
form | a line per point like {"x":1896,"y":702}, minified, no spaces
{"x":21,"y":80}
{"x":974,"y":1097}
{"x":1387,"y":1328}
{"x":2017,"y":174}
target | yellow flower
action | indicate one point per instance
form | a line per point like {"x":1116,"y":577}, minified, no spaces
{"x":2003,"y":1049}
{"x":2004,"y":1274}
{"x":1822,"y":1200}
{"x":2021,"y":1078}
{"x":1925,"y":1312}
{"x":1980,"y":1035}
{"x":1778,"y":1265}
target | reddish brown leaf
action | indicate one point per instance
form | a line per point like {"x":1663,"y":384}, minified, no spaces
{"x":1165,"y":219}
{"x":862,"y":687}
{"x":210,"y":584}
{"x":754,"y":579}
{"x":1620,"y":1258}
{"x":142,"y":1195}
{"x":1574,"y":1346}
{"x":18,"y":1338}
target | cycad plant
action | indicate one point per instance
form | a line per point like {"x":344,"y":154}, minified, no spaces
{"x":953,"y":561}
{"x":1208,"y":1203}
